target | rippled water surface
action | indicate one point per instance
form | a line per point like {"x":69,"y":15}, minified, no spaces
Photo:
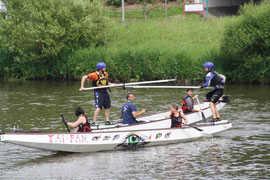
{"x":242,"y":152}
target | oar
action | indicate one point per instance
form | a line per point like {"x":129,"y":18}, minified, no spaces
{"x":129,"y":84}
{"x":203,"y":116}
{"x":64,"y":121}
{"x":202,"y":131}
{"x":166,"y":87}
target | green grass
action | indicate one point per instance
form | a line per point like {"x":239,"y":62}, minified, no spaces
{"x":190,"y":34}
{"x":156,"y":48}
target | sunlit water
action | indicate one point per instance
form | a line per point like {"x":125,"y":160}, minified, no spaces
{"x":242,"y":152}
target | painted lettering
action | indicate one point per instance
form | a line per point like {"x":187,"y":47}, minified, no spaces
{"x":77,"y":139}
{"x":84,"y":138}
{"x":71,"y":138}
{"x":58,"y":139}
{"x":51,"y":136}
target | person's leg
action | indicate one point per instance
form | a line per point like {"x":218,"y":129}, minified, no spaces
{"x":209,"y":97}
{"x":107,"y":115}
{"x":96,"y":112}
{"x":215,"y":97}
{"x":213,"y":109}
{"x":217,"y":114}
{"x":96,"y":115}
{"x":107,"y":105}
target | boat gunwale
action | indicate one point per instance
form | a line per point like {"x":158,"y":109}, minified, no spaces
{"x":104,"y":132}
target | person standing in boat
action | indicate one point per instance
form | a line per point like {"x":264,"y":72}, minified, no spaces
{"x":129,"y":110}
{"x":102,"y":97}
{"x":188,"y":102}
{"x":82,"y":124}
{"x":217,"y":81}
{"x":176,"y":116}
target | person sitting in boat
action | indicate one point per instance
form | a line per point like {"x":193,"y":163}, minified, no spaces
{"x":82,"y":124}
{"x":129,"y":111}
{"x":176,"y":116}
{"x":188,"y":102}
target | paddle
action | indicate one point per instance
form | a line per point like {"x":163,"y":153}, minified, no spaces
{"x":167,"y":87}
{"x":202,"y":131}
{"x":203,"y":116}
{"x":64,"y":121}
{"x":129,"y":84}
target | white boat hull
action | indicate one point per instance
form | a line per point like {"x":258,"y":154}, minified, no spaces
{"x":113,"y":140}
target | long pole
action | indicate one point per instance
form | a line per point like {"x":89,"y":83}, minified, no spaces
{"x":164,"y":87}
{"x":129,"y":84}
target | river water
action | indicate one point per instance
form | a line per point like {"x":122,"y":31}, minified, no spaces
{"x":242,"y":152}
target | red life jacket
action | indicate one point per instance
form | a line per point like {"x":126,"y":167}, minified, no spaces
{"x":184,"y":104}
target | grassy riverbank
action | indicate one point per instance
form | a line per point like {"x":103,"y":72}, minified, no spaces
{"x":155,"y":48}
{"x":140,"y":49}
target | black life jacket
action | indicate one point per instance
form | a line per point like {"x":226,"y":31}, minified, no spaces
{"x":184,"y":103}
{"x":176,"y":121}
{"x":218,"y":80}
{"x":102,"y":79}
{"x":85,"y":127}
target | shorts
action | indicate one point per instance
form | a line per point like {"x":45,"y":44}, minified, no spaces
{"x":102,"y":99}
{"x":213,"y":96}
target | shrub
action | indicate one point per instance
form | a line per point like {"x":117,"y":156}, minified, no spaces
{"x":246,"y":44}
{"x":132,"y":64}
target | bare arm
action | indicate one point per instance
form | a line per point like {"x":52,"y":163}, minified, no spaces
{"x":75,"y":124}
{"x":83,"y":80}
{"x":195,"y":96}
{"x":184,"y":117}
{"x":135,"y":114}
{"x":168,"y":115}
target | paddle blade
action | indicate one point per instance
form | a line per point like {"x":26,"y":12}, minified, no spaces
{"x":203,"y":117}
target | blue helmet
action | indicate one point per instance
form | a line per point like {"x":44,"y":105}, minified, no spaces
{"x":209,"y":65}
{"x":101,"y":65}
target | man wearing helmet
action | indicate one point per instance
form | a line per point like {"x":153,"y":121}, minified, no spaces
{"x":102,"y":97}
{"x":217,"y":81}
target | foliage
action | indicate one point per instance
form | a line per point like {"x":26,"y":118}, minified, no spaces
{"x":39,"y":32}
{"x":139,"y":64}
{"x":115,"y":3}
{"x":245,"y":47}
{"x":138,"y":50}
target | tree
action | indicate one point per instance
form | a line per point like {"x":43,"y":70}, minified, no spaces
{"x":246,"y":44}
{"x":39,"y":32}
